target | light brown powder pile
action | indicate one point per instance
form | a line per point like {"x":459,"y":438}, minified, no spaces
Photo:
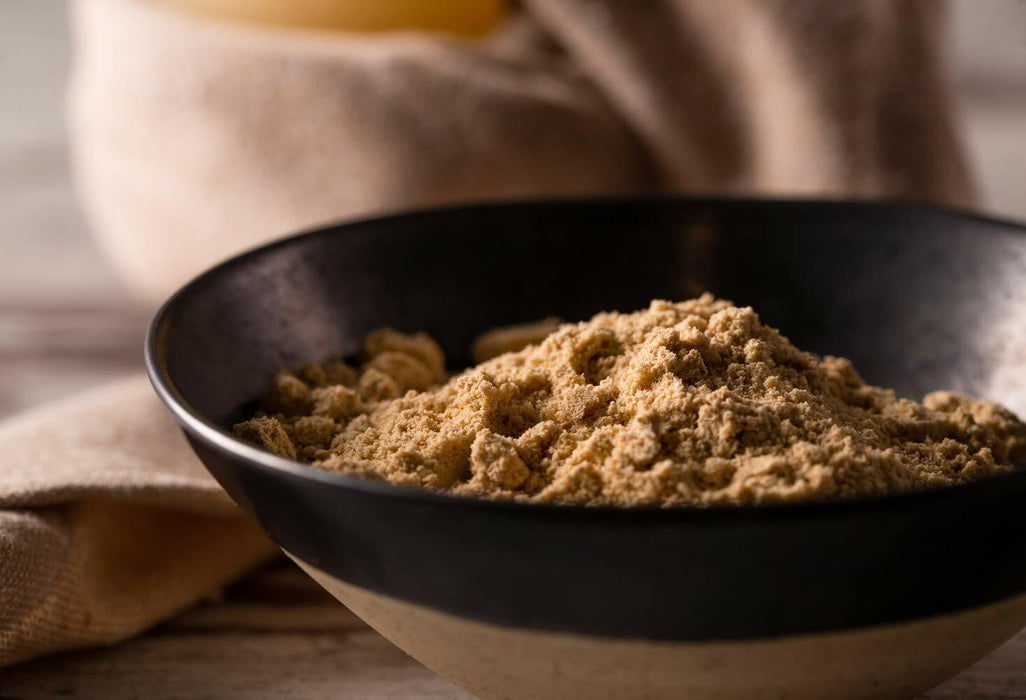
{"x":680,"y":404}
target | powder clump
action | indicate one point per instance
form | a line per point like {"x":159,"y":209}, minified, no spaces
{"x":692,"y":403}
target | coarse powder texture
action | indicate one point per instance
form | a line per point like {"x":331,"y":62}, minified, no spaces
{"x":693,"y":403}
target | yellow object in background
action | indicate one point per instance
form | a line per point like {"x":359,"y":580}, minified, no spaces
{"x":466,"y":17}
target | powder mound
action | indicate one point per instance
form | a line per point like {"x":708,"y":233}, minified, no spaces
{"x":693,"y":403}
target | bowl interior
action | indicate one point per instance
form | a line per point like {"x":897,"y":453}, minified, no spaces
{"x":918,"y":298}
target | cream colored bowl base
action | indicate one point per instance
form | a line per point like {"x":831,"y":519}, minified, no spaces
{"x":892,"y":661}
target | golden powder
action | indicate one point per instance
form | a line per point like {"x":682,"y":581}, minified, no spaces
{"x":681,"y":404}
{"x":512,"y":338}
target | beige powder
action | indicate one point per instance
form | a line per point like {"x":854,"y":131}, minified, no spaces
{"x":512,"y":338}
{"x":680,"y":404}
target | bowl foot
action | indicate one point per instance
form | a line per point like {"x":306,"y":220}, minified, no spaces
{"x":890,"y":661}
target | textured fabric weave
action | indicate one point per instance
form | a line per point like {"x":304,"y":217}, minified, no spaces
{"x":108,"y":523}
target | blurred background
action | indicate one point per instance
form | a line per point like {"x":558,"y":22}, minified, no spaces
{"x":66,"y":322}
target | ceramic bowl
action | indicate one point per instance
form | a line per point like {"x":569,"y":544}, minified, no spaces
{"x":882,"y":597}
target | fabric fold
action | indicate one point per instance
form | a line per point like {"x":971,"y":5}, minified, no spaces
{"x":194,"y":139}
{"x":108,"y":523}
{"x":782,"y":97}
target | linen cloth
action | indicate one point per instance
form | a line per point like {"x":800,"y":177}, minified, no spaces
{"x":193,"y":139}
{"x":108,"y":523}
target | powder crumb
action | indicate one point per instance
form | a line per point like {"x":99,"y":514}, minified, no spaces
{"x":693,"y":403}
{"x":512,"y":338}
{"x":288,"y":395}
{"x":419,"y":349}
{"x":495,"y":464}
{"x":337,"y":402}
{"x":269,"y":433}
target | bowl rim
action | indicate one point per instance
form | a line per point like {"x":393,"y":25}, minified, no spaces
{"x":194,"y":423}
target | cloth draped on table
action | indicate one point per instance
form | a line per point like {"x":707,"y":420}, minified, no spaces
{"x":193,"y":139}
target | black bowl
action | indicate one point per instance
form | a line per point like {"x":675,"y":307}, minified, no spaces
{"x":844,"y":599}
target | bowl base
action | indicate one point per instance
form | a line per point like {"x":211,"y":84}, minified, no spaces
{"x":888,"y":661}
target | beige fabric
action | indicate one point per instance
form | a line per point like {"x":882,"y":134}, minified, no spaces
{"x":194,"y":139}
{"x":107,"y":523}
{"x":795,"y":97}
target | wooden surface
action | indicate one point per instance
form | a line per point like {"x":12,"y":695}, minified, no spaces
{"x":275,"y":635}
{"x":65,"y":325}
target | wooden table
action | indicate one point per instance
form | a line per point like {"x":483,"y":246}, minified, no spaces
{"x":275,"y":634}
{"x":65,"y":325}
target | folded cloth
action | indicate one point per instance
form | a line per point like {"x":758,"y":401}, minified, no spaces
{"x":193,"y":139}
{"x":786,"y":97}
{"x":108,"y":523}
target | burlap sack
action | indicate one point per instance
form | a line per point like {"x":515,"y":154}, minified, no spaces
{"x":194,"y":139}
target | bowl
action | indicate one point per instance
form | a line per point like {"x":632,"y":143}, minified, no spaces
{"x":871,"y":598}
